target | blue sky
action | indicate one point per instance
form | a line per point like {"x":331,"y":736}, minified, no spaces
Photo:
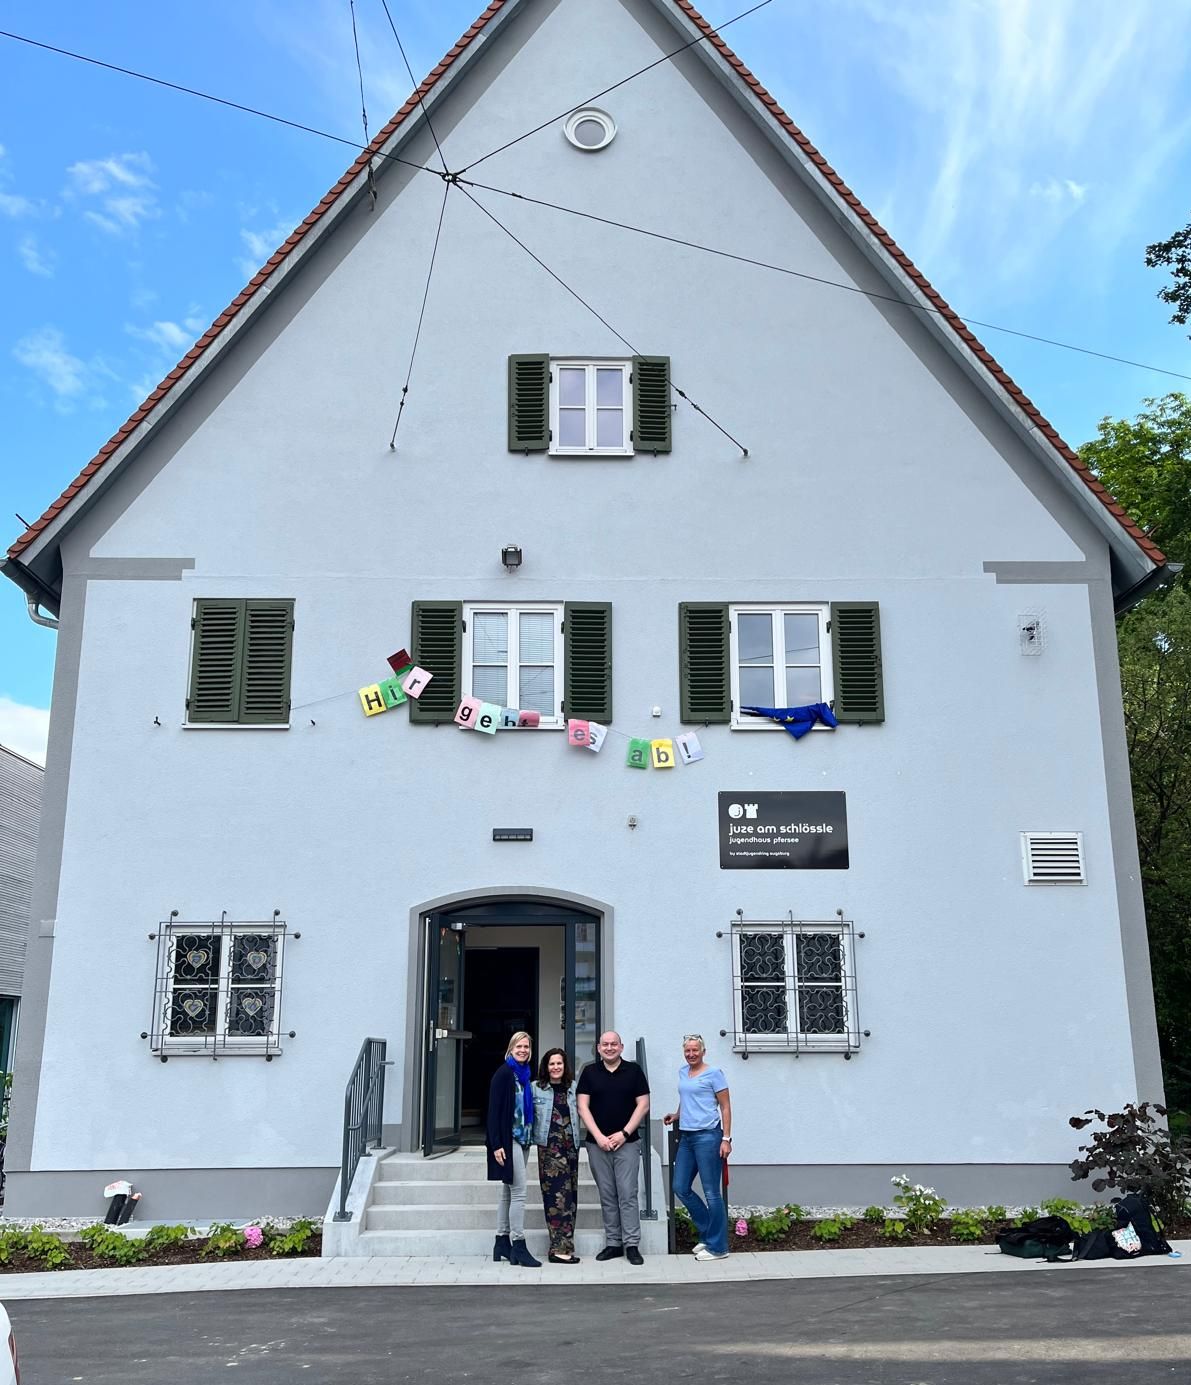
{"x":1023,"y":153}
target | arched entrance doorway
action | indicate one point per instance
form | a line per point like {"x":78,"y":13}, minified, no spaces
{"x":493,"y":966}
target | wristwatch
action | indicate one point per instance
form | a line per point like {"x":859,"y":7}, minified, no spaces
{"x":727,"y":1139}
{"x":626,"y":1134}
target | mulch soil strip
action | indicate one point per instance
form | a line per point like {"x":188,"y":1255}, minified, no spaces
{"x":185,"y":1253}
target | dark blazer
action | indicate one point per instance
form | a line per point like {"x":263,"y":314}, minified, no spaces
{"x":501,"y":1094}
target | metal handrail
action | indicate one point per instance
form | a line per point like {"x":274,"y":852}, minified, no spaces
{"x":648,"y":1211}
{"x":363,"y":1114}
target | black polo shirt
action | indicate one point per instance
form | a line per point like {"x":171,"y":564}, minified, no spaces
{"x":612,"y":1095}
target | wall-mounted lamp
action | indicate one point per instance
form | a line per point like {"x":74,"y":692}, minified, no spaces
{"x":510,"y":555}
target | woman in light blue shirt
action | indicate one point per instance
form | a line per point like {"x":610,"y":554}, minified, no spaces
{"x":704,"y":1118}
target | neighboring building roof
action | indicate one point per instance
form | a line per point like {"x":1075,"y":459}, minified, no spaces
{"x":832,"y":180}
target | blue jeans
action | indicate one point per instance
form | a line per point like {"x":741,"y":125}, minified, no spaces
{"x":699,"y":1151}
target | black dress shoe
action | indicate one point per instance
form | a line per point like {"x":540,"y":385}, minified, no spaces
{"x":633,"y":1255}
{"x":611,"y":1253}
{"x":562,"y":1259}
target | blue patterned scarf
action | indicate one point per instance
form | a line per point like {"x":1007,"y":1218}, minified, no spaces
{"x":523,"y":1075}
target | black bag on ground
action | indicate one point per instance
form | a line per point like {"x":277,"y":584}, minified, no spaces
{"x":1046,"y":1238}
{"x":1133,"y":1210}
{"x":1099,"y":1245}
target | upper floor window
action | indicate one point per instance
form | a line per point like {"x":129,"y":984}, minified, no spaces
{"x":240,"y":662}
{"x":576,"y":407}
{"x":590,"y":409}
{"x":513,"y":657}
{"x":780,"y":658}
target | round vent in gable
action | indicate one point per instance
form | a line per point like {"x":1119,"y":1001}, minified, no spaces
{"x":590,"y":129}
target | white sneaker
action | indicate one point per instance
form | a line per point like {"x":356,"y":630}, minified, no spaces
{"x":700,"y":1246}
{"x":702,"y":1253}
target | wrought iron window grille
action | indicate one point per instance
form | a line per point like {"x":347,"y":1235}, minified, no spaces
{"x":794,"y":986}
{"x":217,"y":988}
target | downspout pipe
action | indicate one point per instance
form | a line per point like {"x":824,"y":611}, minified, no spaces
{"x":1149,"y":583}
{"x":37,"y":594}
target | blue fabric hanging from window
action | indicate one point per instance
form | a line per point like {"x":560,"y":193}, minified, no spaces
{"x":797,"y":720}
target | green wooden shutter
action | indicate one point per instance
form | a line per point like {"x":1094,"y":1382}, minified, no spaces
{"x":651,"y":403}
{"x":216,"y":661}
{"x":268,"y":643}
{"x":529,"y":403}
{"x":704,"y":662}
{"x":438,"y":648}
{"x":587,"y":684}
{"x":856,"y":656}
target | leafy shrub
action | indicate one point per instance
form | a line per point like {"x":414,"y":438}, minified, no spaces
{"x":49,"y":1249}
{"x":968,"y":1224}
{"x":794,"y":1211}
{"x":920,"y":1206}
{"x":895,"y":1228}
{"x":11,"y":1243}
{"x":1100,"y":1217}
{"x":830,"y":1228}
{"x":996,"y":1213}
{"x":772,"y":1226}
{"x":161,"y":1237}
{"x":1070,"y":1211}
{"x":292,"y":1241}
{"x":1027,"y":1214}
{"x":1135,"y":1153}
{"x":223,"y":1239}
{"x":876,"y":1215}
{"x":106,"y":1243}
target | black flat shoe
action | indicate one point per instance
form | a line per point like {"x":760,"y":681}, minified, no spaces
{"x":611,"y":1253}
{"x":633,"y":1255}
{"x":562,"y":1259}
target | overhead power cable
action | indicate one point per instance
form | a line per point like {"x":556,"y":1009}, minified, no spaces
{"x":417,"y":86}
{"x":446,"y":191}
{"x":216,"y":100}
{"x":930,"y":308}
{"x":363,"y":103}
{"x":558,"y":279}
{"x":665,"y":58}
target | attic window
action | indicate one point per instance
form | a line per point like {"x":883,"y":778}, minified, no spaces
{"x":590,"y":129}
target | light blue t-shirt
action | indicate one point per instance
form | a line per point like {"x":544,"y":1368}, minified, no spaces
{"x":697,"y":1106}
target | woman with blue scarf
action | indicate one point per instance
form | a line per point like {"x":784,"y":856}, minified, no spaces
{"x":510,"y":1133}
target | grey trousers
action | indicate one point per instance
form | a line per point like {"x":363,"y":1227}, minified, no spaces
{"x":616,"y":1175}
{"x":510,"y":1209}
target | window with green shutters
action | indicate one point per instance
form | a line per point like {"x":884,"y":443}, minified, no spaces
{"x":779,"y":655}
{"x":572,"y":407}
{"x":548,"y":657}
{"x":240,"y":662}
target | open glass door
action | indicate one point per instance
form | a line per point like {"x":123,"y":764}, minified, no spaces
{"x":581,"y":990}
{"x":445,"y":1038}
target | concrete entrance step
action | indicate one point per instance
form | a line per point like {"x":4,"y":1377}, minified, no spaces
{"x":479,"y":1243}
{"x":466,"y":1217}
{"x":443,"y":1192}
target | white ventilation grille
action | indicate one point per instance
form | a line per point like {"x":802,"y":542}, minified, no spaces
{"x":1053,"y":858}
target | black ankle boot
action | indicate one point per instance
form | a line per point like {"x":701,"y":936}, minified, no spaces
{"x":521,"y":1256}
{"x":501,"y":1249}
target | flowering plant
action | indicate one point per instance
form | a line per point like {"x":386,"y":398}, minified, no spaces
{"x":253,"y":1237}
{"x":742,"y":1226}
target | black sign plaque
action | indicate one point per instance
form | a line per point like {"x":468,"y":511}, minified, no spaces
{"x":783,"y":831}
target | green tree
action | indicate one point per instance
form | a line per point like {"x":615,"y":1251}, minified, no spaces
{"x":1174,"y":254}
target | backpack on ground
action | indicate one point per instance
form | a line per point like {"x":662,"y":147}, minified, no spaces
{"x":1046,"y":1238}
{"x":1133,"y":1210}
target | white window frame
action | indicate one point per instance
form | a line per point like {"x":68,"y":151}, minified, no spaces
{"x":590,"y":365}
{"x":741,"y":722}
{"x":795,"y":1040}
{"x":514,"y":609}
{"x":219,"y":1042}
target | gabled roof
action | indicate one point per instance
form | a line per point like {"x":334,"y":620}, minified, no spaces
{"x":862,"y":219}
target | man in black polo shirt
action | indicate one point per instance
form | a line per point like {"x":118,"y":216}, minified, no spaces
{"x":613,"y":1100}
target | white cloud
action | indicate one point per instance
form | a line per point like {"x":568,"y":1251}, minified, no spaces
{"x":44,"y":352}
{"x":36,"y":260}
{"x":124,"y":190}
{"x":261,"y":244}
{"x":168,"y":335}
{"x":10,"y":204}
{"x":24,"y":729}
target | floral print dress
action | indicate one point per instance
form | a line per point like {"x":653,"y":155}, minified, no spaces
{"x":558,"y":1173}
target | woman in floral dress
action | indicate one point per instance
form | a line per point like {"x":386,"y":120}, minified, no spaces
{"x":556,"y":1134}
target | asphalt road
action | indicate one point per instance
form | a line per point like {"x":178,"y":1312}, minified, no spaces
{"x":1049,"y":1325}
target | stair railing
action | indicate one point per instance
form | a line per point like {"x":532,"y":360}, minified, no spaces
{"x":363,"y":1114}
{"x":645,"y":1131}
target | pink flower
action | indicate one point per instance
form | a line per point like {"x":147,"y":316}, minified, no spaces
{"x":742,"y":1227}
{"x":253,"y":1236}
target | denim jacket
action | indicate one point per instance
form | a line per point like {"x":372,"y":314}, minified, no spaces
{"x":543,"y":1106}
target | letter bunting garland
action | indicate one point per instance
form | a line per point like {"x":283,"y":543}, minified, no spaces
{"x":472,"y":714}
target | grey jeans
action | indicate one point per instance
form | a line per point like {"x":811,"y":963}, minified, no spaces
{"x":616,"y":1173}
{"x":510,"y":1209}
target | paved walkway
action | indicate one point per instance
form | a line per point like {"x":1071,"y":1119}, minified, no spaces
{"x":384,"y":1272}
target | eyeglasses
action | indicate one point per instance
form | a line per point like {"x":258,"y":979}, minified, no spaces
{"x":692,"y":1038}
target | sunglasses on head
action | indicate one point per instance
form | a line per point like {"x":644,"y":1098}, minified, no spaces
{"x":692,"y":1038}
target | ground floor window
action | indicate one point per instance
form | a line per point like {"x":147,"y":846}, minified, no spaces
{"x":794,"y":987}
{"x":218,"y":988}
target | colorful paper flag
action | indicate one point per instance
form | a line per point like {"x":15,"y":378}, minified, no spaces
{"x":414,"y":682}
{"x":596,"y":735}
{"x":508,"y":717}
{"x":662,"y":754}
{"x":465,"y":714}
{"x":400,"y":661}
{"x":487,"y":718}
{"x":689,"y":749}
{"x":529,"y":718}
{"x":372,"y":700}
{"x":577,"y":733}
{"x":638,"y":755}
{"x":392,"y":692}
